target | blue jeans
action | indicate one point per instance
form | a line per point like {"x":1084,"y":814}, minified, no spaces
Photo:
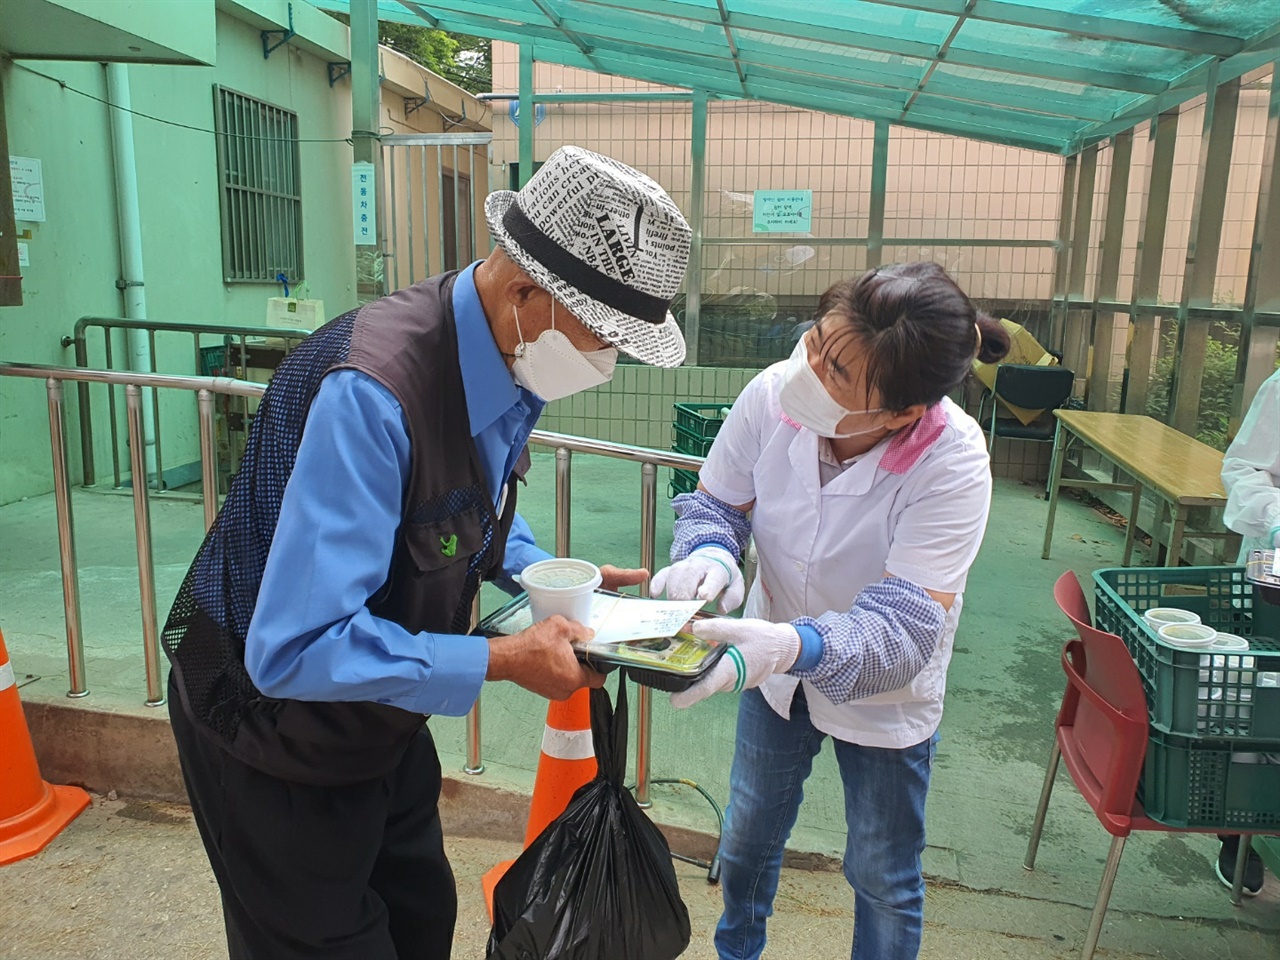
{"x":884,"y":793}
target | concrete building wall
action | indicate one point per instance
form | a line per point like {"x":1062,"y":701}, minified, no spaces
{"x":74,"y":253}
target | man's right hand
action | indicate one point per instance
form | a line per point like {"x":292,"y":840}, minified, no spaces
{"x":541,"y":659}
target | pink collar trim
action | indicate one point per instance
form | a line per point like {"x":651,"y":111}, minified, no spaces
{"x":909,"y":445}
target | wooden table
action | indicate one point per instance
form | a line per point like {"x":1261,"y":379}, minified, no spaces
{"x":1180,"y":470}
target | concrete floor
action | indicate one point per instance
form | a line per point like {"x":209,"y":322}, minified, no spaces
{"x":1004,"y":687}
{"x":129,"y":880}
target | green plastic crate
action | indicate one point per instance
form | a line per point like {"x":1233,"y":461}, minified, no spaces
{"x":1195,"y":693}
{"x":1230,"y":784}
{"x":701,"y":419}
{"x":686,"y":441}
{"x":683,"y":481}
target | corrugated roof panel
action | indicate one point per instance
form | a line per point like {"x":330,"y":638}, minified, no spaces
{"x":1049,"y":74}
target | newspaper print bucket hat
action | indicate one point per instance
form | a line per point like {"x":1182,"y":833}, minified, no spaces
{"x":607,"y":242}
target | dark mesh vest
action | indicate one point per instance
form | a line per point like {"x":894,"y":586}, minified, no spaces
{"x":408,"y":343}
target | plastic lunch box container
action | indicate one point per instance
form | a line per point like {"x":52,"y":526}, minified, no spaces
{"x":670,"y":664}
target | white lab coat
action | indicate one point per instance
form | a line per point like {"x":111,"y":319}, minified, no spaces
{"x":1251,"y":471}
{"x":819,"y":546}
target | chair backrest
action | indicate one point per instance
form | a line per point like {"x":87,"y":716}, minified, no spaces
{"x":1071,"y":599}
{"x":1104,"y":715}
{"x":1032,"y":387}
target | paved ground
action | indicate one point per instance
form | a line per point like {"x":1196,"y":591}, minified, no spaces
{"x":1004,"y":687}
{"x":129,"y":880}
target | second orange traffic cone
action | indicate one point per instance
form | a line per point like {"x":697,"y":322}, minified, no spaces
{"x":567,"y":762}
{"x":32,"y":812}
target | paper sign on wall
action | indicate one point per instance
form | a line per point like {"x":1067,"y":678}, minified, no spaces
{"x":363,"y":212}
{"x":24,"y":255}
{"x":781,"y":211}
{"x":28,"y":188}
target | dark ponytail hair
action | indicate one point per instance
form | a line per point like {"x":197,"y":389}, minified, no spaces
{"x":918,"y":330}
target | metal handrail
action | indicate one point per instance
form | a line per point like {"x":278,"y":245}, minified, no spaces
{"x":79,"y":340}
{"x":205,"y":388}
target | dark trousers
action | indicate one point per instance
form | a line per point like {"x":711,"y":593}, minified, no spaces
{"x":356,"y":872}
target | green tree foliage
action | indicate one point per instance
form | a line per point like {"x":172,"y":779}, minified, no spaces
{"x":458,"y":57}
{"x":1215,"y":389}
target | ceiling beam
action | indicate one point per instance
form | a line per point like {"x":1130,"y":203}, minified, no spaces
{"x":1089,"y":26}
{"x":939,"y":57}
{"x":559,"y":25}
{"x":733,"y":46}
{"x":832,"y":35}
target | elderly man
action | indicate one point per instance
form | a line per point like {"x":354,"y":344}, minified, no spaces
{"x":324,"y":617}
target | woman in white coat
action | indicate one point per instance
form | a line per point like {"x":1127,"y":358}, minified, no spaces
{"x":1251,"y":477}
{"x":867,"y":492}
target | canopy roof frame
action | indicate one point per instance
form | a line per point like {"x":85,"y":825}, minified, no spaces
{"x":1048,"y":75}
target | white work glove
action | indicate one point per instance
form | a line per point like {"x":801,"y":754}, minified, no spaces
{"x":757,"y":650}
{"x":703,"y":575}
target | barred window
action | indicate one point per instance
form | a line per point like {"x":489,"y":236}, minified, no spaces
{"x":261,"y":196}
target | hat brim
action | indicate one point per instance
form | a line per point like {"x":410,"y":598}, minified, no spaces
{"x":657,"y":344}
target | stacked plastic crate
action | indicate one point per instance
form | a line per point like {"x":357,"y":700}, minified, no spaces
{"x":1213,"y":759}
{"x":695,"y":428}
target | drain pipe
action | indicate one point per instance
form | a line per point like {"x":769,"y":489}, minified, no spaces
{"x":129,"y":229}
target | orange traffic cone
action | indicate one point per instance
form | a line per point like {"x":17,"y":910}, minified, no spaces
{"x":568,"y":761}
{"x":32,"y":812}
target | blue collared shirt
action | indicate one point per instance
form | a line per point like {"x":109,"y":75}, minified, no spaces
{"x":312,"y":636}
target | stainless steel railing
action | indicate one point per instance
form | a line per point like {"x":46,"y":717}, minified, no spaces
{"x":80,"y":340}
{"x":205,"y":388}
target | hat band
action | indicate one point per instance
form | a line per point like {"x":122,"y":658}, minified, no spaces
{"x":565,"y":265}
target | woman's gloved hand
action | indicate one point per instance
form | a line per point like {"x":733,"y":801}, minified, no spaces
{"x":757,"y":650}
{"x":703,"y":575}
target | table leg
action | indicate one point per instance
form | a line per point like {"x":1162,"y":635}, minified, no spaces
{"x":1055,"y":483}
{"x":1174,"y":557}
{"x":1132,"y":529}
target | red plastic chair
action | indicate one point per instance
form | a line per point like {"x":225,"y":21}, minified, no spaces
{"x":1071,"y":599}
{"x":1101,"y":732}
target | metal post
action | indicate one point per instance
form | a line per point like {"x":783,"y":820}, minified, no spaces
{"x":564,"y":465}
{"x":648,"y":557}
{"x":66,"y":540}
{"x":1207,"y":210}
{"x":111,"y":412}
{"x":1059,"y":310}
{"x":155,"y":413}
{"x":440,"y":205}
{"x":1075,"y":346}
{"x":1152,"y":222}
{"x":142,"y":531}
{"x":1256,"y":358}
{"x":879,"y":182}
{"x":86,"y":415}
{"x":208,"y":458}
{"x":475,"y":762}
{"x":395,"y":219}
{"x":457,"y":214}
{"x":697,"y":205}
{"x":1109,"y":270}
{"x":526,"y":115}
{"x":366,"y":106}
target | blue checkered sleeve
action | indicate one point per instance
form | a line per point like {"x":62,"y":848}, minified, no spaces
{"x":702,"y":520}
{"x":884,"y":640}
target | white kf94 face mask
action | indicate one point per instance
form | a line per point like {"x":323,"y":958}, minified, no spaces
{"x":553,"y":368}
{"x":806,"y":401}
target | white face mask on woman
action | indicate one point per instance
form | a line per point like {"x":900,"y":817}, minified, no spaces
{"x":553,"y":368}
{"x":806,"y":401}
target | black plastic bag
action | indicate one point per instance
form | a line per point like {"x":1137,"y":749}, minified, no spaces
{"x":598,"y":883}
